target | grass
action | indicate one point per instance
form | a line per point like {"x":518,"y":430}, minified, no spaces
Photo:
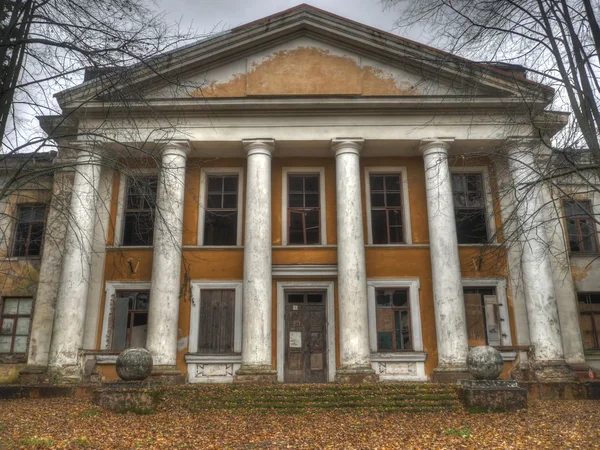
{"x":37,"y":442}
{"x":91,"y":412}
{"x":463,"y":432}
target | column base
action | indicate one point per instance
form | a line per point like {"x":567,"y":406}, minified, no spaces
{"x":552,"y":371}
{"x":65,"y":374}
{"x":166,"y":375}
{"x":450,"y":374}
{"x":255,"y":375}
{"x":355,"y":375}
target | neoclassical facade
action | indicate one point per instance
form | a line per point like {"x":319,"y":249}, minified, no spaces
{"x":326,"y":202}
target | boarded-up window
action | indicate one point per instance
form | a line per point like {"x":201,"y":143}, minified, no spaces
{"x":393,"y":320}
{"x":589,"y":320}
{"x":469,"y":208}
{"x":304,"y":210}
{"x":580,"y":226}
{"x":221,"y":216}
{"x":386,"y":209}
{"x":130,"y":320}
{"x":29,"y":230}
{"x":482,"y":313}
{"x":138,"y":218}
{"x":15,"y":323}
{"x":216,"y":321}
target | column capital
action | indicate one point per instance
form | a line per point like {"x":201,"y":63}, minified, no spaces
{"x":86,"y":150}
{"x":520,"y":143}
{"x":342,"y":145}
{"x":435,"y":145}
{"x":259,"y":146}
{"x":180,"y":147}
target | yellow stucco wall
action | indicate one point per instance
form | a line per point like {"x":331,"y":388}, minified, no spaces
{"x":382,"y":262}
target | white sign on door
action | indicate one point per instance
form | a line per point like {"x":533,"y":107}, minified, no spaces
{"x":295,"y":339}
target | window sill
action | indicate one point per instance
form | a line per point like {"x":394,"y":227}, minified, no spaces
{"x":592,"y":355}
{"x":584,"y":254}
{"x":396,"y":245}
{"x":23,"y":258}
{"x":300,"y":246}
{"x":399,"y":357}
{"x":129,"y":247}
{"x":213,"y":247}
{"x":196,"y":358}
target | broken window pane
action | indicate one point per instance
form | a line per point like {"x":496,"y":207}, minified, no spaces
{"x":386,"y":209}
{"x":469,"y":208}
{"x":29,"y":230}
{"x":130,"y":319}
{"x":581,"y":228}
{"x":393,"y":320}
{"x":221,"y":215}
{"x":304,"y":210}
{"x":15,"y":322}
{"x":138,"y":218}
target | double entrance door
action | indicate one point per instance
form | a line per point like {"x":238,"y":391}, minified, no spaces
{"x":305,"y":358}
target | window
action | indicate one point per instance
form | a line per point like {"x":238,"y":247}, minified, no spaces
{"x":386,"y":209}
{"x":393,"y":320}
{"x":221,"y":210}
{"x":29,"y":230}
{"x":483,"y":316}
{"x":304,"y":209}
{"x":15,"y":321}
{"x":580,"y":226}
{"x":589,"y":319}
{"x":469,"y":208}
{"x":130,"y":319}
{"x":140,"y":203}
{"x":216,"y":326}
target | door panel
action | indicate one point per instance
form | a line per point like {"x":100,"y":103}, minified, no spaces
{"x":305,"y":339}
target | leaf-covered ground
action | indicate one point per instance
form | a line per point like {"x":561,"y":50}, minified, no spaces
{"x":77,"y":423}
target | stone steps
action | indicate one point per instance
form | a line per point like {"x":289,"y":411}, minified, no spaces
{"x":397,"y":397}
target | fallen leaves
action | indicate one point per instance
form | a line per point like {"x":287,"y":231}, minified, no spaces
{"x":72,"y":423}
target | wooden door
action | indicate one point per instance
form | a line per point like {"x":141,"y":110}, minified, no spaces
{"x":305,"y":338}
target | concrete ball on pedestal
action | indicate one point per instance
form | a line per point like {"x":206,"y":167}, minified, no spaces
{"x":485,"y":363}
{"x":134,"y":364}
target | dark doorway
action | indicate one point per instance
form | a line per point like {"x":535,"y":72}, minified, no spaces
{"x":305,"y":338}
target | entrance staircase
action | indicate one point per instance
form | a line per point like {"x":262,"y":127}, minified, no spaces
{"x":424,"y":397}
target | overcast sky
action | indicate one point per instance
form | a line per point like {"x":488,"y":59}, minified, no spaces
{"x":218,"y":15}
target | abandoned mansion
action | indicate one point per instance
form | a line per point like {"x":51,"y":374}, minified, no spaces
{"x":300,"y":199}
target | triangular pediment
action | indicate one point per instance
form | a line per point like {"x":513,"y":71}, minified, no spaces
{"x":308,"y":52}
{"x":305,"y":66}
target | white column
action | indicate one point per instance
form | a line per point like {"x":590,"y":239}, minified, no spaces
{"x":69,"y":320}
{"x":257,"y":301}
{"x":352,"y":274}
{"x":448,"y":300}
{"x":542,"y":311}
{"x":163,"y":315}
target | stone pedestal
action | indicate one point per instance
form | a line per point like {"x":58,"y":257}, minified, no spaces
{"x":355,"y":375}
{"x":256,"y":375}
{"x":493,"y":395}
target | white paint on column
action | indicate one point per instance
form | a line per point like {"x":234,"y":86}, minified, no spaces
{"x":542,"y":312}
{"x":163,"y":314}
{"x":448,"y":300}
{"x":50,"y":268}
{"x":352,"y":275}
{"x":257,"y":303}
{"x":69,"y":321}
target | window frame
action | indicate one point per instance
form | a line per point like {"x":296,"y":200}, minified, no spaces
{"x":122,"y":204}
{"x":393,"y":309}
{"x":577,"y":218}
{"x":488,"y":200}
{"x":131,"y":313}
{"x":591,"y":313}
{"x":221,"y":171}
{"x":12,"y":354}
{"x":412,"y":285}
{"x":316,"y":171}
{"x":405,"y":202}
{"x":499,"y":284}
{"x":197,"y":288}
{"x":111,"y":289}
{"x":15,"y":223}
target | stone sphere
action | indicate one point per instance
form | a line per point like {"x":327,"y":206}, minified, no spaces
{"x":485,"y":363}
{"x":134,"y":364}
